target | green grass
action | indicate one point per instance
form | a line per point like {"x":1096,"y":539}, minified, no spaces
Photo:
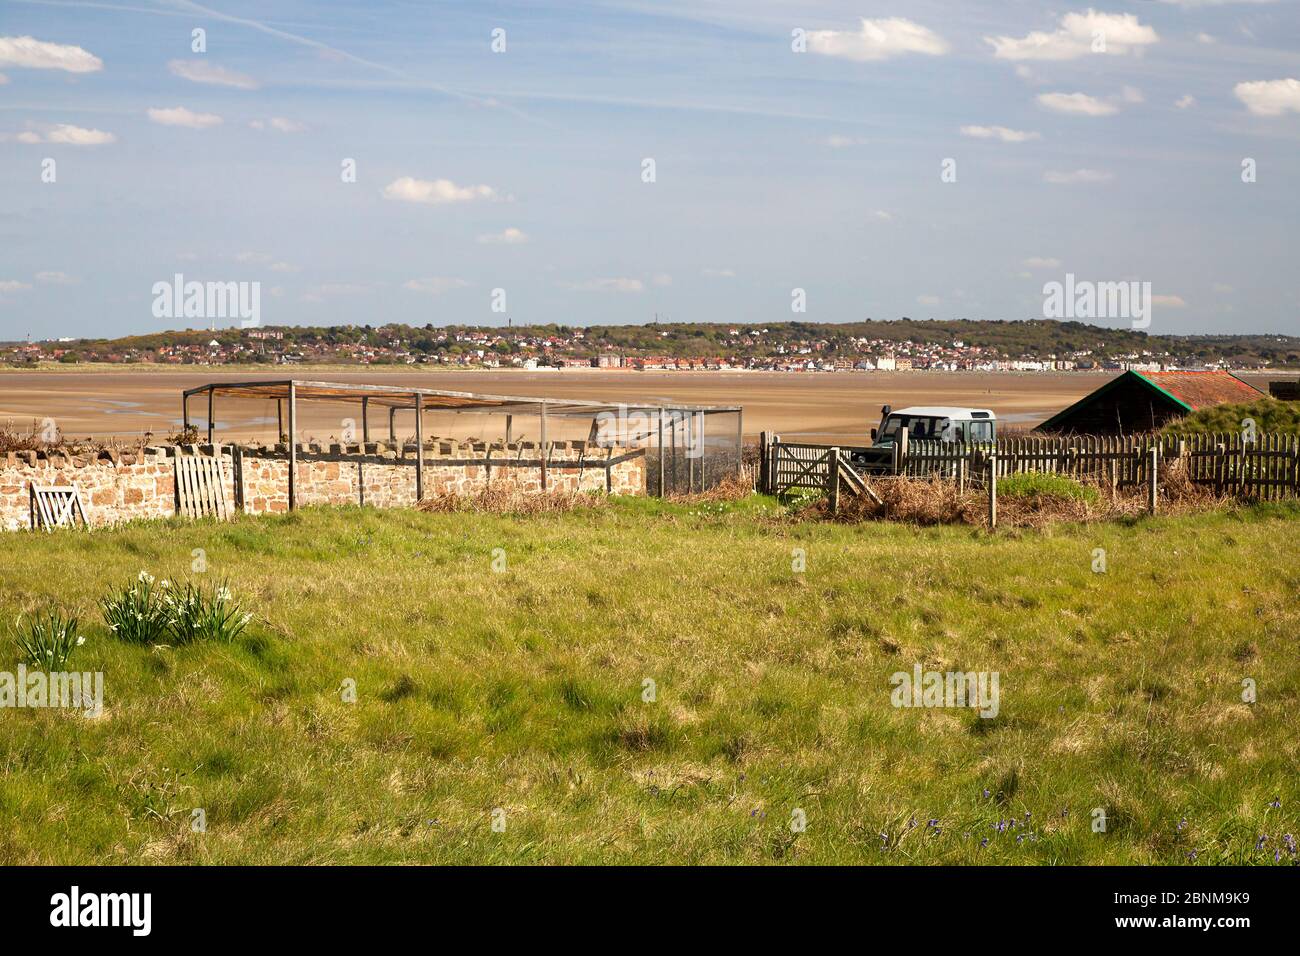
{"x":523,"y":690}
{"x":1043,"y":485}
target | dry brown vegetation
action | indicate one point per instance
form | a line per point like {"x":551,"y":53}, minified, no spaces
{"x":937,"y":501}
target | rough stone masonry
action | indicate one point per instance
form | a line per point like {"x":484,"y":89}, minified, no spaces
{"x":120,"y":486}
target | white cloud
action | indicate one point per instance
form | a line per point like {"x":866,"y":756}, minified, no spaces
{"x":999,"y":132}
{"x":12,"y":285}
{"x":180,"y":116}
{"x":69,"y":135}
{"x":1173,"y":301}
{"x":435,"y":192}
{"x":200,"y":71}
{"x":1078,"y":35}
{"x":1185,"y":102}
{"x":1205,"y":38}
{"x":837,"y":141}
{"x":279,"y":124}
{"x":64,"y":134}
{"x":1039,"y":262}
{"x":510,"y":236}
{"x":718,"y":273}
{"x":56,"y":278}
{"x":877,"y":40}
{"x":1077,"y":176}
{"x":1270,"y":97}
{"x":605,"y":285}
{"x":1078,"y":103}
{"x":883,"y":216}
{"x":928,"y":299}
{"x":435,"y":285}
{"x":36,"y":55}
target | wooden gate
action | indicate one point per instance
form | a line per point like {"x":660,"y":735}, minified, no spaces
{"x":816,"y":468}
{"x":56,"y":506}
{"x":201,"y":486}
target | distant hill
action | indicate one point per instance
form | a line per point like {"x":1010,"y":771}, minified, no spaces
{"x":1028,"y":339}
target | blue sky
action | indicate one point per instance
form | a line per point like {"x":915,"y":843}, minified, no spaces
{"x":522,"y":170}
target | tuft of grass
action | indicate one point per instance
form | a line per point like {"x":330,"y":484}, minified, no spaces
{"x":48,"y":640}
{"x":1043,"y":486}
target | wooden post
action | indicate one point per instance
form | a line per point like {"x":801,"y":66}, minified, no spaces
{"x":365,"y":420}
{"x":419,"y":447}
{"x":763,"y":479}
{"x":740,"y":442}
{"x":993,"y":490}
{"x":1153,"y":457}
{"x":293,"y":446}
{"x":543,"y":449}
{"x":662,"y":490}
{"x":185,"y":416}
{"x":237,"y":466}
{"x":211,"y":402}
{"x":900,"y":451}
{"x":835,"y":480}
{"x":392,"y":426}
{"x":961,"y":475}
{"x":279,"y":421}
{"x":510,"y":425}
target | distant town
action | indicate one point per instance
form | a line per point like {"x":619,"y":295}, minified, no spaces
{"x":884,"y":346}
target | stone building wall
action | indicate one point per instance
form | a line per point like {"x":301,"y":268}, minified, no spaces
{"x":120,"y":486}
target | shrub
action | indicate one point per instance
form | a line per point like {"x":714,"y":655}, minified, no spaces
{"x":137,"y":613}
{"x":1268,"y":414}
{"x":1043,"y":485}
{"x":193,"y":615}
{"x":48,"y":641}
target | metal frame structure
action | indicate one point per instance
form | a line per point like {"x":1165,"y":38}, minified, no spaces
{"x":287,"y":392}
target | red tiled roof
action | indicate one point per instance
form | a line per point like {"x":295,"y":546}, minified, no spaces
{"x":1203,"y":389}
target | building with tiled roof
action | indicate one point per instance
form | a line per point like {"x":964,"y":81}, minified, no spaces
{"x":1137,"y":402}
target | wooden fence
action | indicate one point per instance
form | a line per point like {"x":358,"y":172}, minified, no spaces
{"x":1260,"y":466}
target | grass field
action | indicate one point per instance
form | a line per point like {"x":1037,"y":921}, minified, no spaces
{"x":517,"y":696}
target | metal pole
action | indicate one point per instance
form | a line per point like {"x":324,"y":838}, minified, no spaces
{"x":673,"y":437}
{"x":293,"y":446}
{"x":392,"y":428}
{"x":279,"y":421}
{"x":419,"y":447}
{"x":740,"y":442}
{"x":185,"y":416}
{"x":661,"y":453}
{"x":543,"y":448}
{"x":210,"y":404}
{"x":365,"y":420}
{"x":510,"y":424}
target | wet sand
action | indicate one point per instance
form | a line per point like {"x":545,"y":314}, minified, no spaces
{"x":817,"y":406}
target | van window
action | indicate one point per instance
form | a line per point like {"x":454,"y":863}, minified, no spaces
{"x":981,"y":431}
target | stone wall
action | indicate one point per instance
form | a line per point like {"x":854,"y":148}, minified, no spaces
{"x":120,"y":486}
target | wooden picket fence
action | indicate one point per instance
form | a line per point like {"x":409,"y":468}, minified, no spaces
{"x":1260,"y":466}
